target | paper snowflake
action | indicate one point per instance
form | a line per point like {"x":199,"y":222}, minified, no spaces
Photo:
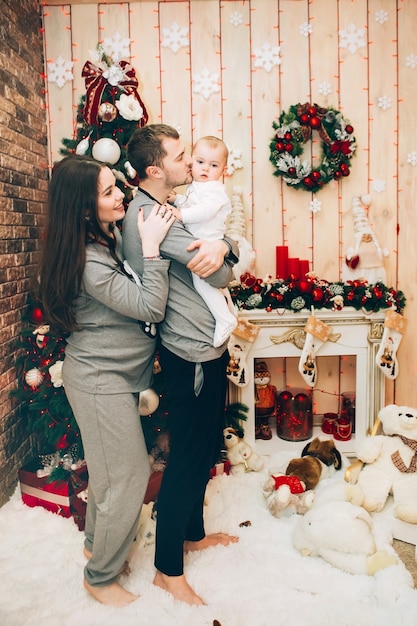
{"x":234,"y":161}
{"x":206,"y":84}
{"x":60,"y":71}
{"x":378,"y":185}
{"x":315,"y":206}
{"x":267,"y":56}
{"x":236,"y":19}
{"x":381,"y":16}
{"x":412,"y":158}
{"x":411,"y":61}
{"x":306,"y":29}
{"x":175,"y":37}
{"x":325,"y":88}
{"x":353,"y":38}
{"x":116,"y":47}
{"x":384,"y":103}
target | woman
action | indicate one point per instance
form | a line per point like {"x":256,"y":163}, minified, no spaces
{"x":88,"y":292}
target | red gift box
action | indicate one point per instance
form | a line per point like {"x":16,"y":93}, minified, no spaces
{"x":59,"y":496}
{"x":220,"y":468}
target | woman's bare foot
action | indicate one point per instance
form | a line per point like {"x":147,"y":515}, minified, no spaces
{"x":125,"y":571}
{"x":178,"y":587}
{"x":214,"y":539}
{"x":112,"y":595}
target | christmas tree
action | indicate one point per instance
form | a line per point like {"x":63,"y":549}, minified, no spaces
{"x":107,"y":115}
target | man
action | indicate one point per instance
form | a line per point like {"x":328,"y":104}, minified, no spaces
{"x":194,"y":370}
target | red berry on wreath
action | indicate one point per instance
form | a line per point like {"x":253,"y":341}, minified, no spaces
{"x":312,"y":110}
{"x":337,"y":174}
{"x":304,"y":118}
{"x":288,"y":136}
{"x":317,"y":294}
{"x":344,"y":169}
{"x":349,"y":129}
{"x":308,"y":181}
{"x":315,"y":175}
{"x":280,"y":146}
{"x":289,"y":147}
{"x":292,"y":171}
{"x":315,"y":122}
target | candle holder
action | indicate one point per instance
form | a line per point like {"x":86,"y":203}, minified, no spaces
{"x":294,"y":415}
{"x":348,"y":408}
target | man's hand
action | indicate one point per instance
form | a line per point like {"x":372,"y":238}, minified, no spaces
{"x":209,"y":257}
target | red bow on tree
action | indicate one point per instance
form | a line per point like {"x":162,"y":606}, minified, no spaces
{"x":95,"y":84}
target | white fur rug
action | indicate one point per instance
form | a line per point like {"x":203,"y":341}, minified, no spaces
{"x":261,"y":581}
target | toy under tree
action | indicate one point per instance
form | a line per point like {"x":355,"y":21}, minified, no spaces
{"x":107,"y":115}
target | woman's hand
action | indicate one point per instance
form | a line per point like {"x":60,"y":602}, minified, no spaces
{"x":154,"y":229}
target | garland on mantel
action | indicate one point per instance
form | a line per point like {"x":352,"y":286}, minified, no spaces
{"x":298,"y":294}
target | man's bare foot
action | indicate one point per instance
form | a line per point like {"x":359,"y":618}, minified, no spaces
{"x":112,"y":595}
{"x":125,"y":571}
{"x":214,"y":539}
{"x":178,"y":587}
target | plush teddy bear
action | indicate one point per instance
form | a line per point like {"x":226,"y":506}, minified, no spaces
{"x":286,"y":495}
{"x":391,"y":463}
{"x":341,"y":533}
{"x":240,"y":454}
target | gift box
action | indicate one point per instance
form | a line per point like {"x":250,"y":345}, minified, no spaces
{"x":220,"y":468}
{"x":65,"y":497}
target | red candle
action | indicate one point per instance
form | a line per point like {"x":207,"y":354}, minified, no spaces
{"x":294,"y":267}
{"x":282,"y":262}
{"x":304,"y":267}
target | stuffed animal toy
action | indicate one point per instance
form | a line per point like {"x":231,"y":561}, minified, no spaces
{"x":391,"y":463}
{"x":240,"y":454}
{"x":341,"y":533}
{"x":286,"y":495}
{"x":319,"y":459}
{"x":265,"y":400}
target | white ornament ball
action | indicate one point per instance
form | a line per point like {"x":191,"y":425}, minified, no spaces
{"x":148,"y":402}
{"x":34,"y":377}
{"x":106,"y":150}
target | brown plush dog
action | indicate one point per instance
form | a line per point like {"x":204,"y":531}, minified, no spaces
{"x":319,"y":459}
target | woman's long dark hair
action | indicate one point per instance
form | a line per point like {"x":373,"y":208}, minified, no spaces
{"x":72,"y":224}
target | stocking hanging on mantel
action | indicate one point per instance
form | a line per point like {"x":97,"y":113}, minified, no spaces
{"x":317,"y":333}
{"x":239,"y":346}
{"x":386,"y":359}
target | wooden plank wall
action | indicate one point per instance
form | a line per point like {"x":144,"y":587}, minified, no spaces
{"x":224,"y":38}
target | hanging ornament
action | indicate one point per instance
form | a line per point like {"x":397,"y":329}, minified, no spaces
{"x":36,"y":316}
{"x":106,"y":150}
{"x":107,"y":112}
{"x":148,"y":402}
{"x":130,"y":171}
{"x":83,"y":146}
{"x":34,"y":377}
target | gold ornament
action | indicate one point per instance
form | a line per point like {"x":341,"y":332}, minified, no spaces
{"x":107,"y":112}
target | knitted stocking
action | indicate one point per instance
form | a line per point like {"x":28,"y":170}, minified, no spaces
{"x":317,"y":333}
{"x":386,"y":358}
{"x":239,"y":346}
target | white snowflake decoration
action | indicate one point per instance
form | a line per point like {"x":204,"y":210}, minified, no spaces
{"x":267,"y":57}
{"x":116,"y":47}
{"x":234,"y":161}
{"x":60,"y":71}
{"x":381,"y":16}
{"x":236,"y":19}
{"x":353,"y":38}
{"x":384,"y":102}
{"x":325,"y":88}
{"x":378,"y":185}
{"x":315,"y":206}
{"x":412,"y":158}
{"x":411,"y":61}
{"x":306,"y":29}
{"x":175,"y":37}
{"x":206,"y":84}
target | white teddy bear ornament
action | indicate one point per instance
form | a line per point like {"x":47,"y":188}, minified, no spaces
{"x":240,"y":454}
{"x":391,"y":463}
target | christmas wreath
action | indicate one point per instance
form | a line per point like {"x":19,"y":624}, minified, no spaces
{"x":294,"y":129}
{"x":297,"y":294}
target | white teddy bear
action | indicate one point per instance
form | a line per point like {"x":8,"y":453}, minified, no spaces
{"x":240,"y":454}
{"x":391,"y":463}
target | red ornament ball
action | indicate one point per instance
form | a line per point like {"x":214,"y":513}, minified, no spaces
{"x":315,"y":122}
{"x":304,"y":286}
{"x":36,"y":316}
{"x":317,"y":294}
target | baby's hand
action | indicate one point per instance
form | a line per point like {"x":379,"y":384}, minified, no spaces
{"x":172,"y":197}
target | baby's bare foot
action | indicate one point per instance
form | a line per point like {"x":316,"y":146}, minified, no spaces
{"x":214,"y":539}
{"x":178,"y":587}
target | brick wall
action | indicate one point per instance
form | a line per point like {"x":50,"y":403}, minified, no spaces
{"x":23,"y":186}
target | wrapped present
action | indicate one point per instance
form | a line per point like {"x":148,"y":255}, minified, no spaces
{"x":65,"y":497}
{"x":220,"y":468}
